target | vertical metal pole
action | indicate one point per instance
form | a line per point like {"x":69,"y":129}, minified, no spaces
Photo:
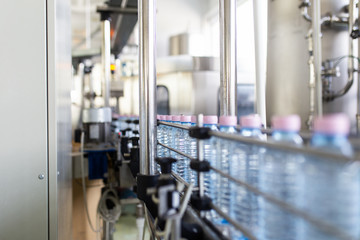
{"x":228,"y":58}
{"x":316,"y":24}
{"x":105,"y":57}
{"x":260,"y":19}
{"x":200,"y":156}
{"x":358,"y":93}
{"x":88,"y":24}
{"x":147,"y":81}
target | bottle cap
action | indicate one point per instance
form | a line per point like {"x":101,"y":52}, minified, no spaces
{"x":162,"y":118}
{"x":286,"y":123}
{"x":227,"y":120}
{"x":168,"y":118}
{"x":212,"y":119}
{"x":251,"y":121}
{"x":175,"y":118}
{"x":193,"y":119}
{"x":332,"y":124}
{"x":185,"y":119}
{"x":158,"y":117}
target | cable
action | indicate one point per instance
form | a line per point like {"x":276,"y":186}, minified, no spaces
{"x":113,"y":214}
{"x":83,"y":183}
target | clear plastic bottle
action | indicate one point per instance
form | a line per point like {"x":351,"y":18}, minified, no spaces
{"x":281,"y":177}
{"x":175,"y":139}
{"x":160,"y":139}
{"x":181,"y":137}
{"x":245,"y":166}
{"x":191,"y":149}
{"x":224,"y":152}
{"x":332,"y":187}
{"x":167,"y":137}
{"x":210,"y":155}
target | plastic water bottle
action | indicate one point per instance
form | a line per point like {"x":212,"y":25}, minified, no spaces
{"x":167,"y":137}
{"x":160,"y":139}
{"x":332,"y":187}
{"x":224,"y":153}
{"x":245,"y":167}
{"x":180,"y":145}
{"x":210,"y":155}
{"x":174,"y":139}
{"x":191,"y":150}
{"x":281,"y":177}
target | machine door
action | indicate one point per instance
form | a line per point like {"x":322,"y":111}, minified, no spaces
{"x":23,"y":124}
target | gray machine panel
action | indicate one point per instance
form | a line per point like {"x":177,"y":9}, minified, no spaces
{"x":23,"y":104}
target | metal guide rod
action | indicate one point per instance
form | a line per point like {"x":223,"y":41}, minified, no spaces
{"x":267,"y":144}
{"x":321,"y":225}
{"x":178,"y":152}
{"x":228,"y":58}
{"x":147,"y":82}
{"x":238,"y":226}
{"x":316,"y":25}
{"x":285,"y":147}
{"x":175,"y":125}
{"x":105,"y":57}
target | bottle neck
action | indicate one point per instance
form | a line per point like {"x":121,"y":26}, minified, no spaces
{"x":213,"y":127}
{"x":186,"y":123}
{"x":287,"y":137}
{"x":228,"y":129}
{"x":250,"y":132}
{"x":332,"y":142}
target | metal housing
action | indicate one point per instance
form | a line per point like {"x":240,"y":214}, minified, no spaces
{"x":287,"y":90}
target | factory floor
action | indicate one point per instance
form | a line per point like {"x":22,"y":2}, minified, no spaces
{"x":125,"y":228}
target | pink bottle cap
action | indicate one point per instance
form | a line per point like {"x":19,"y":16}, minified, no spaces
{"x":185,"y":119}
{"x":158,"y":117}
{"x":168,"y":118}
{"x":162,"y":118}
{"x":251,"y":121}
{"x":193,"y":119}
{"x":212,"y":119}
{"x":338,"y":123}
{"x":227,"y":120}
{"x":175,"y":118}
{"x":286,"y":123}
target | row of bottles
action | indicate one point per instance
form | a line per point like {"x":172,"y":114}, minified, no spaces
{"x":324,"y":188}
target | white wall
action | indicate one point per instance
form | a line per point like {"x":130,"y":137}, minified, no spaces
{"x":177,"y":16}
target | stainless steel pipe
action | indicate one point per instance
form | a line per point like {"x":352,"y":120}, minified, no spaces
{"x":260,"y":36}
{"x":316,"y":25}
{"x":105,"y":58}
{"x":228,"y":58}
{"x":147,"y":82}
{"x":358,"y":93}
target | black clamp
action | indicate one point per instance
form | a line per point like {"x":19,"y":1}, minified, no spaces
{"x":136,"y":121}
{"x":304,"y":4}
{"x":200,"y":132}
{"x":355,"y":33}
{"x":135,"y":141}
{"x":200,"y":166}
{"x":136,"y":132}
{"x":200,"y":203}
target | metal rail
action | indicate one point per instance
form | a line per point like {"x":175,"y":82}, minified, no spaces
{"x":321,"y":225}
{"x":174,"y":125}
{"x":283,"y":147}
{"x":174,"y":150}
{"x":268,"y":144}
{"x":238,"y":226}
